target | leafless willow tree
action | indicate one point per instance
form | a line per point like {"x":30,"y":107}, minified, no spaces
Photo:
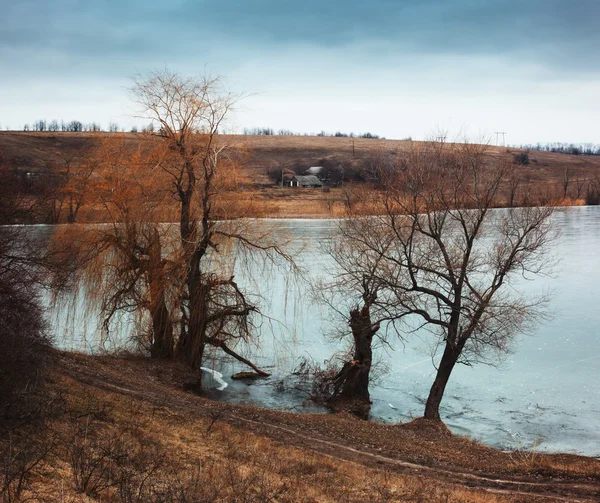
{"x":214,"y":310}
{"x":180,"y":276}
{"x":438,"y":258}
{"x":123,"y":267}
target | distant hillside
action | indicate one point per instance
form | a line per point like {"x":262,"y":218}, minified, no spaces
{"x":36,"y":151}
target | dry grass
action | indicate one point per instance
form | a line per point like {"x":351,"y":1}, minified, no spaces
{"x":151,"y":452}
{"x":128,"y":433}
{"x":419,"y":441}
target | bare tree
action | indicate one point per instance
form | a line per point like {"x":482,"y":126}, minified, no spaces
{"x":77,"y":174}
{"x":513,"y":183}
{"x":182,"y":277}
{"x":189,"y":112}
{"x":580,"y":184}
{"x":442,"y":260}
{"x":25,"y":344}
{"x":66,"y":187}
{"x":40,"y":125}
{"x":593,"y":191}
{"x":123,"y":266}
{"x":355,"y":295}
{"x":567,"y":177}
{"x":74,"y":126}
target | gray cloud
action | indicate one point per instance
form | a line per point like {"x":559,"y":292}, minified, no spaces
{"x":110,"y":35}
{"x":558,"y":33}
{"x":397,"y":67}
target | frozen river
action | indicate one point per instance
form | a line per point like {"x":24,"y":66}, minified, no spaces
{"x":546,"y":394}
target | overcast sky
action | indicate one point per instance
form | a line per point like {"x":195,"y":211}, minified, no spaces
{"x":392,"y":67}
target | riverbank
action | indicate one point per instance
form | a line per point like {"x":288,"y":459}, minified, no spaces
{"x":243,"y":449}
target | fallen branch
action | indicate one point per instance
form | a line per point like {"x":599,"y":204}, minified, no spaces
{"x":231,"y":352}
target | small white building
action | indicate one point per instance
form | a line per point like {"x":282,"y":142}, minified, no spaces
{"x":306,"y":182}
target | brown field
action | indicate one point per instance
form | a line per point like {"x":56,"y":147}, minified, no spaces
{"x":212,"y":451}
{"x":37,"y":152}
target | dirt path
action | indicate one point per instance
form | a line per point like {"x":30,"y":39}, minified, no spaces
{"x":553,"y":489}
{"x":303,"y":431}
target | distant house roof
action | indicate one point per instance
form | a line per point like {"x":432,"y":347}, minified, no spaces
{"x":308,"y":181}
{"x":314,"y":170}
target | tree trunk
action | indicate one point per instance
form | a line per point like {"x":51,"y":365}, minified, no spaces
{"x":73,"y":210}
{"x":162,"y":324}
{"x":352,"y":382}
{"x":447,"y":363}
{"x":162,"y":327}
{"x":192,"y":342}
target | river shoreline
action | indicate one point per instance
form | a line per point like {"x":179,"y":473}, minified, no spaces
{"x":428,"y":451}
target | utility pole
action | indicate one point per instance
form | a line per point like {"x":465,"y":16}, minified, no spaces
{"x":498,"y":133}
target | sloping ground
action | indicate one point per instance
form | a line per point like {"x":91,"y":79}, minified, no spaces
{"x":40,"y":152}
{"x":267,"y":150}
{"x":34,"y":150}
{"x":315,"y":457}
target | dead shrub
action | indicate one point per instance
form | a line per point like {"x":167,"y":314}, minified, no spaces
{"x":19,"y":456}
{"x":252,"y":486}
{"x":25,"y":355}
{"x":521,"y":159}
{"x":319,"y":381}
{"x":95,"y":460}
{"x":137,"y":475}
{"x":24,"y":341}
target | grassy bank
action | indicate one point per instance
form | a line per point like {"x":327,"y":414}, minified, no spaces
{"x":126,"y":431}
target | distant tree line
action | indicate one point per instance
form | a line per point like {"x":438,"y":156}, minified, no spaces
{"x":266,"y":131}
{"x":76,"y":126}
{"x":73,"y":126}
{"x":565,"y":148}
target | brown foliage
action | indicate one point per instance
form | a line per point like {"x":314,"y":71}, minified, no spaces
{"x":176,"y":278}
